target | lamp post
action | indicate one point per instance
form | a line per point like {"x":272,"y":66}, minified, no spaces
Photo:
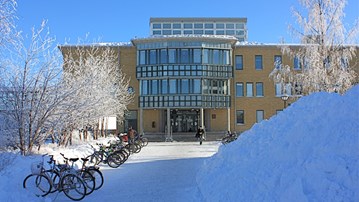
{"x":285,"y":98}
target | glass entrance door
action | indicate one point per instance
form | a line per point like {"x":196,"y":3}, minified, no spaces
{"x":184,"y":120}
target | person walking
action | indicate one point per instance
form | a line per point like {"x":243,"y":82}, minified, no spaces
{"x":200,"y":134}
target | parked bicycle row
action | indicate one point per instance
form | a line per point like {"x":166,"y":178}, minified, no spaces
{"x":76,"y":182}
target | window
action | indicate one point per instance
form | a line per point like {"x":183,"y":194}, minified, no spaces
{"x":277,"y":61}
{"x":198,"y":26}
{"x":144,"y":88}
{"x":198,"y":31}
{"x":163,"y":56}
{"x":283,"y":89}
{"x":296,"y":62}
{"x":258,"y":62}
{"x":166,"y":26}
{"x":167,"y":32}
{"x":220,"y":26}
{"x":239,"y":90}
{"x":176,"y":32}
{"x":259,"y":115}
{"x":164,"y":87}
{"x":220,"y":32}
{"x":229,"y":32}
{"x":239,"y":62}
{"x":184,"y":55}
{"x":240,"y":116}
{"x":176,"y":26}
{"x":208,"y":26}
{"x":259,"y":89}
{"x":156,"y":26}
{"x":230,"y":26}
{"x":154,"y":87}
{"x":197,"y":56}
{"x":209,"y":32}
{"x":249,"y":89}
{"x":172,"y":55}
{"x":184,"y":86}
{"x":188,"y":26}
{"x":197,"y":86}
{"x":142,"y":57}
{"x":187,"y":32}
{"x":173,"y":86}
{"x":153,"y":57}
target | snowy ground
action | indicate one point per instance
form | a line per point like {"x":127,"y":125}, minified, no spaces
{"x":160,"y":172}
{"x":308,"y":152}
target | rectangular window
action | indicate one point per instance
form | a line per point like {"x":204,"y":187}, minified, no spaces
{"x":176,"y":26}
{"x":166,"y":26}
{"x":144,"y":87}
{"x":277,"y":61}
{"x":219,"y":26}
{"x":209,"y":32}
{"x":167,"y":32}
{"x":239,"y":62}
{"x":163,"y":56}
{"x":156,"y":26}
{"x":240,"y":116}
{"x":230,"y":26}
{"x":249,"y":89}
{"x":198,"y":31}
{"x":278,"y":89}
{"x":258,"y":62}
{"x":153,"y":57}
{"x":208,"y":26}
{"x":187,"y":32}
{"x":188,"y":25}
{"x":197,"y":56}
{"x":173,"y":86}
{"x":154,"y":87}
{"x":220,"y":32}
{"x":259,"y":89}
{"x":142,"y":59}
{"x":296,"y":62}
{"x":184,"y":86}
{"x":198,"y":26}
{"x":172,"y":56}
{"x":184,"y":56}
{"x":164,"y":87}
{"x":156,"y":32}
{"x":259,"y":115}
{"x":177,"y":32}
{"x":205,"y":56}
{"x":239,"y":89}
{"x":196,"y":86}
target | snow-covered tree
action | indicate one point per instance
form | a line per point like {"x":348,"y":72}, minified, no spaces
{"x":7,"y":21}
{"x":103,"y":88}
{"x":326,"y":50}
{"x":31,"y":73}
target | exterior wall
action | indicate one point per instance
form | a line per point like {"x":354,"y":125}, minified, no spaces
{"x":269,"y":103}
{"x":151,"y":120}
{"x":217,"y":120}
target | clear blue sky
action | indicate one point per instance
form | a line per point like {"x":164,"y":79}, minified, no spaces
{"x":120,"y":21}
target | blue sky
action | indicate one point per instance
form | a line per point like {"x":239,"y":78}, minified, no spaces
{"x":120,"y":21}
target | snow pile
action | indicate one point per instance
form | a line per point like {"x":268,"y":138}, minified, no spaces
{"x":308,"y":152}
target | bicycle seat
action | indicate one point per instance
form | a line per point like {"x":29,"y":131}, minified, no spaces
{"x":84,"y":159}
{"x":74,"y":159}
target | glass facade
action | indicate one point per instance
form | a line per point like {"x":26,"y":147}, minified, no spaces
{"x":187,"y":74}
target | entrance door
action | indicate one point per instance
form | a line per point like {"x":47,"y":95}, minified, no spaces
{"x":184,"y":120}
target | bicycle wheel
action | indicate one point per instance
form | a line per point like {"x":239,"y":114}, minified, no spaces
{"x":73,"y":187}
{"x":54,"y":176}
{"x":95,"y":158}
{"x":97,"y":174}
{"x":144,"y":141}
{"x":37,"y":184}
{"x":112,"y":160}
{"x":89,"y":181}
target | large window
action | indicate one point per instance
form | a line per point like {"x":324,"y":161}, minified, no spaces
{"x":277,"y":61}
{"x":296,"y":62}
{"x":239,"y":62}
{"x":240,"y":116}
{"x":239,"y":90}
{"x":259,"y":115}
{"x":259,"y":89}
{"x":258,"y":62}
{"x":249,"y":89}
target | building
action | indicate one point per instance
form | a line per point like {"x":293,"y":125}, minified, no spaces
{"x":188,"y":80}
{"x":200,"y":26}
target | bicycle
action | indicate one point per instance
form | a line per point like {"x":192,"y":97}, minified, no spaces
{"x":38,"y":182}
{"x":229,"y":137}
{"x":95,"y":172}
{"x":86,"y":176}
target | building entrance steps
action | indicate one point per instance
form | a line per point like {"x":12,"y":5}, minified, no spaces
{"x":184,"y":136}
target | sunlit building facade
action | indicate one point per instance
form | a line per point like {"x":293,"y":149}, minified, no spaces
{"x":183,"y":81}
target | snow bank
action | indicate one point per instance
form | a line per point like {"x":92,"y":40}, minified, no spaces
{"x":308,"y":152}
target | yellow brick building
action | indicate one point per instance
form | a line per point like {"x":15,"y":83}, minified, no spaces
{"x":182,"y":81}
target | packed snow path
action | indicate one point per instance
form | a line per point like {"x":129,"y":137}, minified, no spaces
{"x":163,"y":171}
